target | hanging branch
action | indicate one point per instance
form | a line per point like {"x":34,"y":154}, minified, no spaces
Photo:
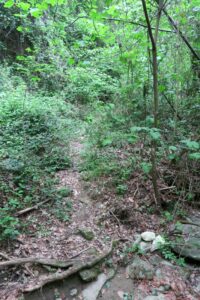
{"x":136,"y":23}
{"x":177,"y":29}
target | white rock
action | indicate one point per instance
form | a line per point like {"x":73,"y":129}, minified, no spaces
{"x":121,"y":294}
{"x":73,"y":292}
{"x":159,"y":297}
{"x":93,"y":289}
{"x":159,"y":241}
{"x":148,"y":236}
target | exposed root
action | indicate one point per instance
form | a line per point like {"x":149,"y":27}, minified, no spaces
{"x":35,"y":260}
{"x":74,"y":269}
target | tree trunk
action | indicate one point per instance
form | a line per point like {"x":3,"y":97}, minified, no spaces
{"x":153,"y":40}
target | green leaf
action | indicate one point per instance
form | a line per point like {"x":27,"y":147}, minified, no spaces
{"x":138,"y":129}
{"x":172,"y":148}
{"x":35,"y":78}
{"x":106,"y":142}
{"x":20,"y":28}
{"x":71,"y":61}
{"x":20,"y":57}
{"x":9,"y":3}
{"x":146,"y":167}
{"x":108,"y":2}
{"x":35,"y":12}
{"x":24,"y":6}
{"x":154,"y":134}
{"x":195,"y":156}
{"x":192,"y":145}
{"x":161,"y":88}
{"x":95,"y":15}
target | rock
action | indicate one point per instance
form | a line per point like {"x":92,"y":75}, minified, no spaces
{"x":87,"y":234}
{"x":159,"y":297}
{"x":155,"y":260}
{"x":188,"y":242}
{"x":89,"y":274}
{"x":145,"y":247}
{"x":93,"y":290}
{"x":148,"y":236}
{"x":159,"y":241}
{"x":140,"y":269}
{"x":73,"y":292}
{"x":121,"y":294}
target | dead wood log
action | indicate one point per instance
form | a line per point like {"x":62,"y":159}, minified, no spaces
{"x":29,"y":209}
{"x":73,"y":270}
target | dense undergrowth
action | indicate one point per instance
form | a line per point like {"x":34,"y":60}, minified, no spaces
{"x":35,"y":131}
{"x":119,"y":149}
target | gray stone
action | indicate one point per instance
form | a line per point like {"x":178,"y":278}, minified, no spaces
{"x":155,"y":260}
{"x":87,"y":234}
{"x":89,"y":274}
{"x":145,"y":247}
{"x":93,"y":290}
{"x":140,"y":269}
{"x":187,"y":244}
{"x":148,"y":236}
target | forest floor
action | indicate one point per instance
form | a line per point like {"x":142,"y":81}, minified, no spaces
{"x":48,"y":237}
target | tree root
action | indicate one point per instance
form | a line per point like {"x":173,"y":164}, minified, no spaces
{"x":75,"y":267}
{"x":35,"y":260}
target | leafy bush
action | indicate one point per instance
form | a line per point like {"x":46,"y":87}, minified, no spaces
{"x":31,"y":149}
{"x":90,"y":84}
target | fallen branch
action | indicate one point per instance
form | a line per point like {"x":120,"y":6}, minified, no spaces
{"x":35,"y":260}
{"x":168,"y":188}
{"x":26,"y":210}
{"x":74,"y":269}
{"x":118,"y":221}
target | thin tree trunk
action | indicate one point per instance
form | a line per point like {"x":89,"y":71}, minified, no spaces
{"x":153,"y":39}
{"x":155,"y":86}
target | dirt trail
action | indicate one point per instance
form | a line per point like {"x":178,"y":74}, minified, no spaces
{"x":62,"y":240}
{"x":86,"y":212}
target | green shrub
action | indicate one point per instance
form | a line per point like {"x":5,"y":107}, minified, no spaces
{"x":89,"y":85}
{"x":31,"y":149}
